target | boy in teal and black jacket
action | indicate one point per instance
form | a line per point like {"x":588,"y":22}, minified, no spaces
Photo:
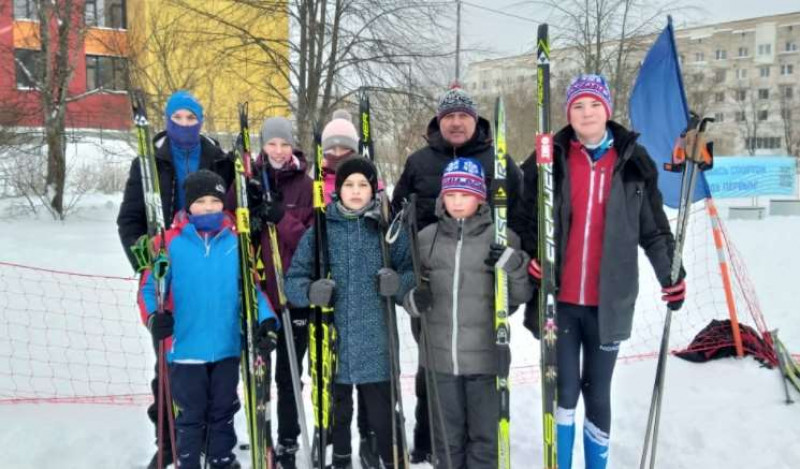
{"x":357,"y":288}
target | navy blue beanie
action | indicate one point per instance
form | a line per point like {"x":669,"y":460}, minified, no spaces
{"x":182,"y":99}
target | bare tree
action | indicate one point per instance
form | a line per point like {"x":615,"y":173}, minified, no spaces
{"x":401,"y":121}
{"x":165,"y":56}
{"x":603,"y":37}
{"x":59,"y":35}
{"x":701,"y":86}
{"x":521,"y":112}
{"x":790,"y":120}
{"x":335,"y":47}
{"x":751,"y":112}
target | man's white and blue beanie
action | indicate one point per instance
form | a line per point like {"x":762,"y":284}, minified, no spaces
{"x":464,"y":175}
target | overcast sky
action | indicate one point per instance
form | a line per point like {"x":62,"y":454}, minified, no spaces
{"x":505,"y":35}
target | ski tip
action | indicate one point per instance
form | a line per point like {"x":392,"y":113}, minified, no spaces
{"x":316,"y":130}
{"x":542,"y":31}
{"x":137,"y":102}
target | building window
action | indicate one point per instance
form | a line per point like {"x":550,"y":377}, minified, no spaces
{"x":763,"y":115}
{"x":787,"y":69}
{"x":740,"y":116}
{"x":721,"y":54}
{"x":790,"y":47}
{"x":788,"y":92}
{"x":699,"y":57}
{"x":764,"y":143}
{"x":108,"y":73}
{"x":719,"y":76}
{"x":27,"y":65}
{"x":105,"y":13}
{"x":763,"y":72}
{"x":741,"y":95}
{"x":719,"y":97}
{"x":741,"y":73}
{"x":743,"y":52}
{"x":786,"y":114}
{"x":25,"y":9}
{"x":764,"y":49}
{"x":719,"y":117}
{"x":763,"y":93}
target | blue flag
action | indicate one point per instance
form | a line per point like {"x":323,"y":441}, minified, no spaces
{"x":659,"y":112}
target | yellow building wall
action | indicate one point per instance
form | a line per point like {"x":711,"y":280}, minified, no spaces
{"x":179,"y":47}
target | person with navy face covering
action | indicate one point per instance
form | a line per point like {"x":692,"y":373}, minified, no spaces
{"x":180,"y":151}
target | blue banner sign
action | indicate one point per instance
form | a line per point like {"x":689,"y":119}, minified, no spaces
{"x":751,"y":176}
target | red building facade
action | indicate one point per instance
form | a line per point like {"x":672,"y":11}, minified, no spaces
{"x":97,"y":98}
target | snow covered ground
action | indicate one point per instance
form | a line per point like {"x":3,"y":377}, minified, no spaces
{"x":724,"y":414}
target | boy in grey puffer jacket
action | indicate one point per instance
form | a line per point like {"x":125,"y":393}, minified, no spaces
{"x":459,"y":260}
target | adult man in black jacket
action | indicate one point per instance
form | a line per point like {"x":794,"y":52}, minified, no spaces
{"x":456,"y":131}
{"x":180,"y":150}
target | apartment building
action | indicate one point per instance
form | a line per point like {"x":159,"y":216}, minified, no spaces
{"x":746,"y":73}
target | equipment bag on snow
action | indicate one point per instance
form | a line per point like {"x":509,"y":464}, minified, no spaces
{"x":716,"y":341}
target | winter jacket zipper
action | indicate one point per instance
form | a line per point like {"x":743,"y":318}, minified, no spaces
{"x":587,"y":230}
{"x":456,"y":281}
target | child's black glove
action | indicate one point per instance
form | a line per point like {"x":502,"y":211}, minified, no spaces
{"x":273,"y":212}
{"x":161,"y":325}
{"x":267,"y":337}
{"x":504,"y":257}
{"x":419,"y":300}
{"x":388,"y":281}
{"x":255,"y":193}
{"x":320,"y":292}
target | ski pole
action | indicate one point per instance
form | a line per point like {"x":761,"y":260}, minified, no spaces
{"x":781,"y":367}
{"x":693,"y":164}
{"x":433,"y":396}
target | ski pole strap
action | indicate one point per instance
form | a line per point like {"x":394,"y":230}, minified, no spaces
{"x":160,"y":265}
{"x":395,"y":226}
{"x":141,"y":253}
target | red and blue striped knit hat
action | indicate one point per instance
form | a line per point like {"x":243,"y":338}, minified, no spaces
{"x":590,"y":85}
{"x":464,"y":175}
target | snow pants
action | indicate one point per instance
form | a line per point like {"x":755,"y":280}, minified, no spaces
{"x":288,"y":422}
{"x":206,"y":400}
{"x":471,"y":408}
{"x":376,"y":414}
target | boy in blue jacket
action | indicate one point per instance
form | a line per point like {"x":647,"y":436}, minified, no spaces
{"x":203,"y":323}
{"x":357,"y":288}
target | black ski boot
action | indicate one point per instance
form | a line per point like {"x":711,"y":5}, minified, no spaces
{"x":341,"y":462}
{"x":167,"y":459}
{"x":368,"y":452}
{"x":419,"y":456}
{"x":285,"y":453}
{"x":233,"y":465}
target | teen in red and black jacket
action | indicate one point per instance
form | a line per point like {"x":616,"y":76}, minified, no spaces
{"x":607,"y":205}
